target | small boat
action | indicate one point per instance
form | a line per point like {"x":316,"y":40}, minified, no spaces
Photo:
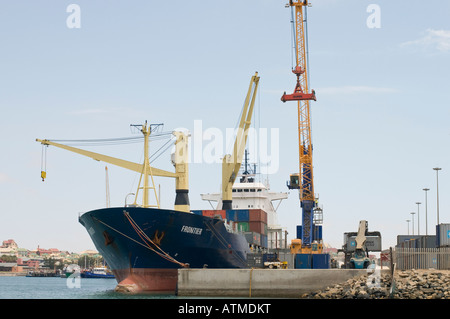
{"x":43,"y":273}
{"x":71,"y":270}
{"x":98,"y":272}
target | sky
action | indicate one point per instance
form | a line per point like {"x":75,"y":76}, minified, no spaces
{"x":380,"y":70}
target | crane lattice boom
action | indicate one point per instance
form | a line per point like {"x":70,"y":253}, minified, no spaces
{"x":304,"y":180}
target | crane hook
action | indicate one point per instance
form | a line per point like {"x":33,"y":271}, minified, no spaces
{"x":44,"y":162}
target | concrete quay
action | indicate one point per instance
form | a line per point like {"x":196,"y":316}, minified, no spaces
{"x":265,"y":283}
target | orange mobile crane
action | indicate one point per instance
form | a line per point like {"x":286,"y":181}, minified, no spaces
{"x":307,"y":243}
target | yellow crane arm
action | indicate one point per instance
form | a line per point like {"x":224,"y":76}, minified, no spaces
{"x":111,"y":160}
{"x":232,"y":163}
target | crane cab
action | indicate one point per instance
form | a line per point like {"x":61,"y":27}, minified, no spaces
{"x":294,"y":181}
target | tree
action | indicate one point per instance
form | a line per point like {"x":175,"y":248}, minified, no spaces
{"x":8,"y":259}
{"x":86,"y":261}
{"x":53,"y":263}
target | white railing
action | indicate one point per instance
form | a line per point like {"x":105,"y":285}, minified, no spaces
{"x":422,"y":258}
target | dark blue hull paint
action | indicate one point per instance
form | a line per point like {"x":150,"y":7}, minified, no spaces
{"x":188,"y":238}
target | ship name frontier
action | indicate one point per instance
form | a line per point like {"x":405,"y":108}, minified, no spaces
{"x":191,"y":230}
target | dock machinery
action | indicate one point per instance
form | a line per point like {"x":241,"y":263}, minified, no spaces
{"x":358,"y":244}
{"x":304,"y":179}
{"x":232,"y":163}
{"x":180,"y":162}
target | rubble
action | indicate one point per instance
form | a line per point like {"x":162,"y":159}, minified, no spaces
{"x":409,"y":284}
{"x":422,"y":284}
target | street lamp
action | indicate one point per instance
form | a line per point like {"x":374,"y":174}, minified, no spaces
{"x":426,"y":211}
{"x":408,"y":220}
{"x":437,"y":169}
{"x":418,"y":218}
{"x":412,"y":213}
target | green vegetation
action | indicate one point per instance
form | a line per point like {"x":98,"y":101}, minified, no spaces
{"x":8,"y":259}
{"x":89,"y":262}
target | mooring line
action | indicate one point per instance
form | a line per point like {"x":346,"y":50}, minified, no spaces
{"x":224,"y":242}
{"x":139,"y":243}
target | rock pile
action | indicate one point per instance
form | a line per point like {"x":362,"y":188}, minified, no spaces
{"x":409,"y":284}
{"x":422,"y":284}
{"x":363,"y":287}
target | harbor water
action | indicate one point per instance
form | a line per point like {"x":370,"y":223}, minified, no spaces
{"x":21,"y":287}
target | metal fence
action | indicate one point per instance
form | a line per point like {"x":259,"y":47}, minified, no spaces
{"x":422,"y":258}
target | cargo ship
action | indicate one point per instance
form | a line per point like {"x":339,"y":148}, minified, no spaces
{"x":144,"y":245}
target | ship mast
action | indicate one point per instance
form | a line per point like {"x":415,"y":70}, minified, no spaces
{"x":147,"y":171}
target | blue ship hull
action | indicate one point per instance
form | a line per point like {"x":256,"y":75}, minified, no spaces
{"x":144,"y":247}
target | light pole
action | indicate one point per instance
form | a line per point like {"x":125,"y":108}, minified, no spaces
{"x":408,"y":220}
{"x":412,"y":213}
{"x":437,"y":169}
{"x":418,"y":218}
{"x":426,"y":211}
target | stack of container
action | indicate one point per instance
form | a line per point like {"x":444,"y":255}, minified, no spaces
{"x":251,"y":222}
{"x":416,"y":241}
{"x":312,"y":261}
{"x":443,"y":235}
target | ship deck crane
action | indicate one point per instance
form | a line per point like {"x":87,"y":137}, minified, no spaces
{"x":231,"y":163}
{"x":180,"y":161}
{"x":304,"y":179}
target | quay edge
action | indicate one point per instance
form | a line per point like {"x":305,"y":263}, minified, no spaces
{"x":273,"y":283}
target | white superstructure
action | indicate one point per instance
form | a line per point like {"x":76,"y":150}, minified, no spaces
{"x":250,"y":194}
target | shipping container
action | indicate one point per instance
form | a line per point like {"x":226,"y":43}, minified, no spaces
{"x":264,"y":242}
{"x":231,"y":215}
{"x":303,"y":261}
{"x":213,"y":213}
{"x":258,"y":227}
{"x":413,"y":243}
{"x":242,"y":226}
{"x":208,"y":213}
{"x":443,"y":235}
{"x":403,"y":238}
{"x":237,"y":215}
{"x":221,"y":213}
{"x":373,"y":243}
{"x":320,"y":261}
{"x":253,"y":238}
{"x":257,"y":215}
{"x":242,"y":215}
{"x":428,"y":241}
